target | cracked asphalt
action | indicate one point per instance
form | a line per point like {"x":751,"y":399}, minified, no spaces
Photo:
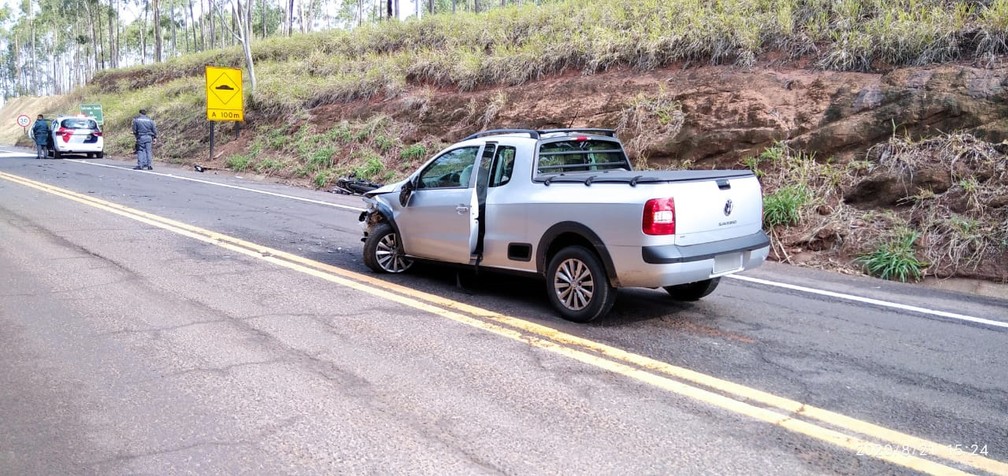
{"x":126,"y":349}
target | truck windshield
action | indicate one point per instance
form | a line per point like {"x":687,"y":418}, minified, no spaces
{"x":580,"y":156}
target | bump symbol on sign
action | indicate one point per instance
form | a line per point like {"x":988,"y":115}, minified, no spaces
{"x":224,"y":89}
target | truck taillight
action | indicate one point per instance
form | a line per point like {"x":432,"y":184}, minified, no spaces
{"x":659,"y":217}
{"x":96,"y":133}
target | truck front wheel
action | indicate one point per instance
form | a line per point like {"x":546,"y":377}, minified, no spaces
{"x":692,"y":291}
{"x":383,"y":252}
{"x":577,"y":285}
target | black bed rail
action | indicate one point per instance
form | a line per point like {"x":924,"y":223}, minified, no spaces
{"x":496,"y":132}
{"x":536,"y":134}
{"x":585,"y":130}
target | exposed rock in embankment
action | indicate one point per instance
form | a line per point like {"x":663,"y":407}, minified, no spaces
{"x":723,"y":114}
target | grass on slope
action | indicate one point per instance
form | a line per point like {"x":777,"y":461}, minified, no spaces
{"x":954,"y":229}
{"x":513,"y":45}
{"x":516,"y":44}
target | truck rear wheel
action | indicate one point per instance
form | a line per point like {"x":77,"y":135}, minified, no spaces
{"x":692,"y":291}
{"x":578,"y":286}
{"x":383,"y":252}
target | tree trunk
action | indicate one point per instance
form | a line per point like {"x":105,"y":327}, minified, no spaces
{"x":114,"y":33}
{"x":94,"y":31}
{"x":203,"y":27}
{"x":174,"y":32}
{"x":34,"y":60}
{"x":244,"y":26}
{"x":18,"y":70}
{"x":191,"y":30}
{"x":100,"y":38}
{"x":143,"y":36}
{"x":157,"y":31}
{"x":301,"y":16}
{"x":208,"y":23}
{"x":53,"y":71}
{"x":290,"y":17}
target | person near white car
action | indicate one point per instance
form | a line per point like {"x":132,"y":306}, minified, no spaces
{"x":145,"y":132}
{"x":40,"y":134}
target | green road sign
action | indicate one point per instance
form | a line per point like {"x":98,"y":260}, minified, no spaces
{"x":93,"y":110}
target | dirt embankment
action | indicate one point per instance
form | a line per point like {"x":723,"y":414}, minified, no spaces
{"x":10,"y":132}
{"x":833,"y":130}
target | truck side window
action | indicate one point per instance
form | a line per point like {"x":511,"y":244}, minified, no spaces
{"x":503,"y":166}
{"x":447,"y":170}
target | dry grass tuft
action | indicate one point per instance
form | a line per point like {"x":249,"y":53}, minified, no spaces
{"x":959,"y":221}
{"x":965,"y":225}
{"x":639,"y":117}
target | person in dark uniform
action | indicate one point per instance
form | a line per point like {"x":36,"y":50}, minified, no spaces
{"x":145,"y":132}
{"x":40,"y":134}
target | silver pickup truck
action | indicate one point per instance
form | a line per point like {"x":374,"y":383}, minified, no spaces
{"x":566,"y":205}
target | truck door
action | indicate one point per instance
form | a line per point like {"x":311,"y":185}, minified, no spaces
{"x":440,"y":220}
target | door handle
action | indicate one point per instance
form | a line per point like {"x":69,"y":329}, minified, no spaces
{"x":462,"y":209}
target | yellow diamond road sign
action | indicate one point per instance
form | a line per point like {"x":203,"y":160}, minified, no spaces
{"x":225,"y":101}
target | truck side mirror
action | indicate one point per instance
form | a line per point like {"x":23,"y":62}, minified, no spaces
{"x":407,"y":191}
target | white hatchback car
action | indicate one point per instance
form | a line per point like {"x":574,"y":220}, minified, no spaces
{"x":76,"y":135}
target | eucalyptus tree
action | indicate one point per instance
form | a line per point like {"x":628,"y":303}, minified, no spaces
{"x":156,"y":20}
{"x":112,"y":21}
{"x":240,"y":28}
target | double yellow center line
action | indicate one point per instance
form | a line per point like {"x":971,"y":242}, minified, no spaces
{"x":862,"y":437}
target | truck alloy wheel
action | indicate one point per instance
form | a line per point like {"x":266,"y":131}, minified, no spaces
{"x":578,"y":286}
{"x":383,"y":252}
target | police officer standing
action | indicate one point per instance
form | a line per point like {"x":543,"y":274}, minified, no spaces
{"x":40,"y":134}
{"x":145,"y":132}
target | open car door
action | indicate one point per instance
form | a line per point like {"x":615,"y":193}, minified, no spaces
{"x":439,"y":218}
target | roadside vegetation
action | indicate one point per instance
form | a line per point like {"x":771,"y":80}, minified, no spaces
{"x":946,"y":216}
{"x":517,"y":44}
{"x":929,"y":232}
{"x":368,"y":150}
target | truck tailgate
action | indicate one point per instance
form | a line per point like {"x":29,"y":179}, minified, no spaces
{"x":716,"y":209}
{"x":710,"y":205}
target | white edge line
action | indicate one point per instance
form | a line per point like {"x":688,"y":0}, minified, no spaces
{"x":849,"y":297}
{"x":246,"y":189}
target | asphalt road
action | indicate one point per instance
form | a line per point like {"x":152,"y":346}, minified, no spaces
{"x":138,"y":335}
